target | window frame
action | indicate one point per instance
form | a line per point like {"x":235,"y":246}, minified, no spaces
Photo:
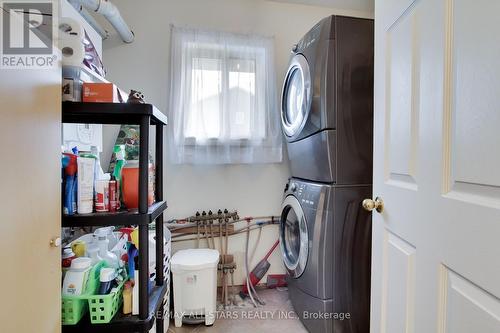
{"x":206,"y":50}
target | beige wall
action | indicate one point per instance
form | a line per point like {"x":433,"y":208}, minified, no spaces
{"x":144,"y":65}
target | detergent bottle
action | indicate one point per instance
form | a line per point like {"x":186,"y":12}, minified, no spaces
{"x":103,"y":243}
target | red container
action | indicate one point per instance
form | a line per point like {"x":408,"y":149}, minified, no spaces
{"x":130,"y":184}
{"x":113,"y":199}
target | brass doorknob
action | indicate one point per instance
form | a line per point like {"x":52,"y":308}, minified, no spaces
{"x":55,"y":242}
{"x":378,"y":204}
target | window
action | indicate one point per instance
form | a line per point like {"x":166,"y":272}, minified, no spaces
{"x":223,"y":99}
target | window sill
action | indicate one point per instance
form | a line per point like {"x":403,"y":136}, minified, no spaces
{"x":193,"y":142}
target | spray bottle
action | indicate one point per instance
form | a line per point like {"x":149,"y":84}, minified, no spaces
{"x":103,"y":243}
{"x":99,"y":174}
{"x":119,"y":151}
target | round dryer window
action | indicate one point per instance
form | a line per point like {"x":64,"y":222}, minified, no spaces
{"x":296,"y":97}
{"x":294,"y":238}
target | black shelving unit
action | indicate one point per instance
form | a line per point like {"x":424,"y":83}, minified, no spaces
{"x":144,"y":115}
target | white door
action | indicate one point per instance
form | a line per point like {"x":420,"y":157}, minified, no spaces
{"x":30,"y":204}
{"x":436,"y":245}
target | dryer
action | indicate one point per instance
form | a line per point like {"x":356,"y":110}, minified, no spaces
{"x":325,"y":239}
{"x":327,"y":102}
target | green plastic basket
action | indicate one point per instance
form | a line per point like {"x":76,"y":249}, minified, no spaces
{"x":104,"y":307}
{"x":74,"y":307}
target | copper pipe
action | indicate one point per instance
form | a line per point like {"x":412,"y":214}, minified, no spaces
{"x":233,"y":293}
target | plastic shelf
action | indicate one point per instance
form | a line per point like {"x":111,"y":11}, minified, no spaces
{"x":122,"y":217}
{"x":110,"y":113}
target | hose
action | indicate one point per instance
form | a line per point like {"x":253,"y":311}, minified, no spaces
{"x":227,"y":235}
{"x":197,"y":235}
{"x":225,"y":288}
{"x":223,"y":282}
{"x":220,"y":234}
{"x":212,"y":239}
{"x":256,"y":243}
{"x":232,"y":284}
{"x":247,"y":270}
{"x":205,"y":229}
{"x":261,"y":302}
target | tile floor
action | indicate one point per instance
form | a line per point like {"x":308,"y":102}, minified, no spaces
{"x":276,"y":316}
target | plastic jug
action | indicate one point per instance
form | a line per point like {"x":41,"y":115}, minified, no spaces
{"x":75,"y":278}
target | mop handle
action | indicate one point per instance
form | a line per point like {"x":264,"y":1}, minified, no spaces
{"x":271,"y":250}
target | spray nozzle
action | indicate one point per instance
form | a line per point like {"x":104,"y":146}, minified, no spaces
{"x":102,"y":233}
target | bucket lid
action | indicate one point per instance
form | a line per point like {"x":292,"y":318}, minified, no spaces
{"x":80,"y":263}
{"x":194,"y":259}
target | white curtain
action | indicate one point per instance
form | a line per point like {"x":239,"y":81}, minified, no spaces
{"x":223,"y":101}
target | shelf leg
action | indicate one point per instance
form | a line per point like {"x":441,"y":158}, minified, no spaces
{"x":159,"y":196}
{"x":143,"y":272}
{"x":143,"y":209}
{"x":143,"y":164}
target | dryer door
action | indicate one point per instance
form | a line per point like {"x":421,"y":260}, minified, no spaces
{"x":296,"y":97}
{"x":294,"y":238}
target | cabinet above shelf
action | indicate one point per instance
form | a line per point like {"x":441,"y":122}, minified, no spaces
{"x":116,"y":218}
{"x":110,"y":113}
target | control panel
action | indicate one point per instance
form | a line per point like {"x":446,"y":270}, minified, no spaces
{"x":306,"y":193}
{"x":308,"y":39}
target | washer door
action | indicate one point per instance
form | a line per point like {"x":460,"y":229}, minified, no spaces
{"x":294,"y":238}
{"x":296,"y":96}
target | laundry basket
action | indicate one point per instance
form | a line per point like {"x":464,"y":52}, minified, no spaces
{"x":195,"y":284}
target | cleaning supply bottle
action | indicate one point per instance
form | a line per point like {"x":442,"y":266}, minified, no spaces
{"x":93,"y":252}
{"x":99,"y":174}
{"x":75,"y":279}
{"x":85,"y":183}
{"x":107,"y":280}
{"x":110,"y":234}
{"x":103,"y":244}
{"x":119,"y":151}
{"x":127,"y":298}
{"x":70,"y":170}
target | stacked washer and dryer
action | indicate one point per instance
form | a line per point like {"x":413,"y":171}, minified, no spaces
{"x":327,"y":119}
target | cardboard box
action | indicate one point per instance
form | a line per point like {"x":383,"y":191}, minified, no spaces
{"x":101,"y":93}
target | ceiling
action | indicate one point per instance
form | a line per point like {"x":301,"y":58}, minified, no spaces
{"x":361,"y":5}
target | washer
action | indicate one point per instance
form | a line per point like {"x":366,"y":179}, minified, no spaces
{"x":327,"y":102}
{"x":325,"y":239}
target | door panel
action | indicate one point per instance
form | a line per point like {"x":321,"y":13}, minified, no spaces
{"x":435,"y":245}
{"x":402,"y":101}
{"x":30,"y":122}
{"x":466,"y":305}
{"x":399,"y":286}
{"x":473,"y":117}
